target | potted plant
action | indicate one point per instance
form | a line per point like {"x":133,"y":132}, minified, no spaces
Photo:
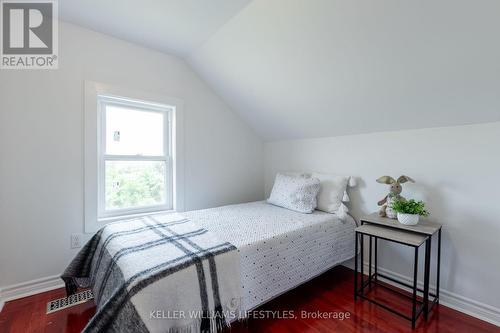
{"x":409,"y":211}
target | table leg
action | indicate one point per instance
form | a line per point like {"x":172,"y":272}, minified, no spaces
{"x":370,"y":264}
{"x":361,"y":254}
{"x":376,"y":257}
{"x":356,"y":268}
{"x":427,"y":267}
{"x":414,"y":304}
{"x":438,"y":265}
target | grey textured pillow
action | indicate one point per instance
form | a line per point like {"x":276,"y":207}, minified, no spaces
{"x":295,"y":193}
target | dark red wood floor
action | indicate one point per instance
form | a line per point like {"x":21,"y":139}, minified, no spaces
{"x":330,"y":294}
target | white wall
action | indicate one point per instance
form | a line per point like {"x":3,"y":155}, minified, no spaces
{"x":457,"y":172}
{"x":41,"y":146}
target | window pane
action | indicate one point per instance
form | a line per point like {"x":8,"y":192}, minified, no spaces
{"x":133,"y":132}
{"x":132,"y":184}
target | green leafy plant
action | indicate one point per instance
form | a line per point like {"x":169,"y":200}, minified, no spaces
{"x":410,"y":207}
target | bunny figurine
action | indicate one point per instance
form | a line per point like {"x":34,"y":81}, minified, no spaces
{"x":394,"y":194}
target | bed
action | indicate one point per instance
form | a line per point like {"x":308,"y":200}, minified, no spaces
{"x":234,"y":257}
{"x":279,"y":248}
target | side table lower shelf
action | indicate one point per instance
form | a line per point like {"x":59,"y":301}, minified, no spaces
{"x":375,"y":232}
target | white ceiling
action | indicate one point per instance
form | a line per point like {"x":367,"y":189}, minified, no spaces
{"x":171,"y":26}
{"x":313,"y":68}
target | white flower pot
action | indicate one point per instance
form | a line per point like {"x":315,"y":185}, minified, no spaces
{"x":408,"y":219}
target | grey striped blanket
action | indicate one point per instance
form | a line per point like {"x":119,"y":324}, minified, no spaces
{"x":160,"y":273}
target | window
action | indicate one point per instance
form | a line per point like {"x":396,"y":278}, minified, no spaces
{"x":135,"y":161}
{"x":133,"y":154}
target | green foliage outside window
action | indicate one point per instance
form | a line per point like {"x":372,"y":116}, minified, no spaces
{"x":134,"y":184}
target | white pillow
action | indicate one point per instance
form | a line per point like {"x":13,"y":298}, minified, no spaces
{"x":295,"y":193}
{"x":331,"y":193}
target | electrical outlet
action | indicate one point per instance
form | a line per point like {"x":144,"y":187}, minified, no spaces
{"x":76,"y":241}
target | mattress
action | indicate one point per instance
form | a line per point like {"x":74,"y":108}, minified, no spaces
{"x":279,"y":249}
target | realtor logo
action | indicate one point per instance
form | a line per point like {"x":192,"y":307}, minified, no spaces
{"x":29,"y":34}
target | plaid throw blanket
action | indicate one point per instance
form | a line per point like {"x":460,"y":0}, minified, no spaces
{"x":160,"y":273}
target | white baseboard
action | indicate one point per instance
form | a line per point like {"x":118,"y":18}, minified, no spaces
{"x":447,"y":298}
{"x":29,"y":288}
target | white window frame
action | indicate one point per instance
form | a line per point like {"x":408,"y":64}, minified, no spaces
{"x":166,"y":157}
{"x":96,"y":94}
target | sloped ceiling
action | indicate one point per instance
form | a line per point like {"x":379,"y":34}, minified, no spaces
{"x":170,"y":26}
{"x":312,"y":68}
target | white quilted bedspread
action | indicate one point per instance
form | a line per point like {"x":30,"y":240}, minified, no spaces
{"x":279,"y":249}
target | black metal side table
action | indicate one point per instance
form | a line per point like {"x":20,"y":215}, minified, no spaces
{"x":376,"y":227}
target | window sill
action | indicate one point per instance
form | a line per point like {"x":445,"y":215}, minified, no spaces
{"x":105,"y":220}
